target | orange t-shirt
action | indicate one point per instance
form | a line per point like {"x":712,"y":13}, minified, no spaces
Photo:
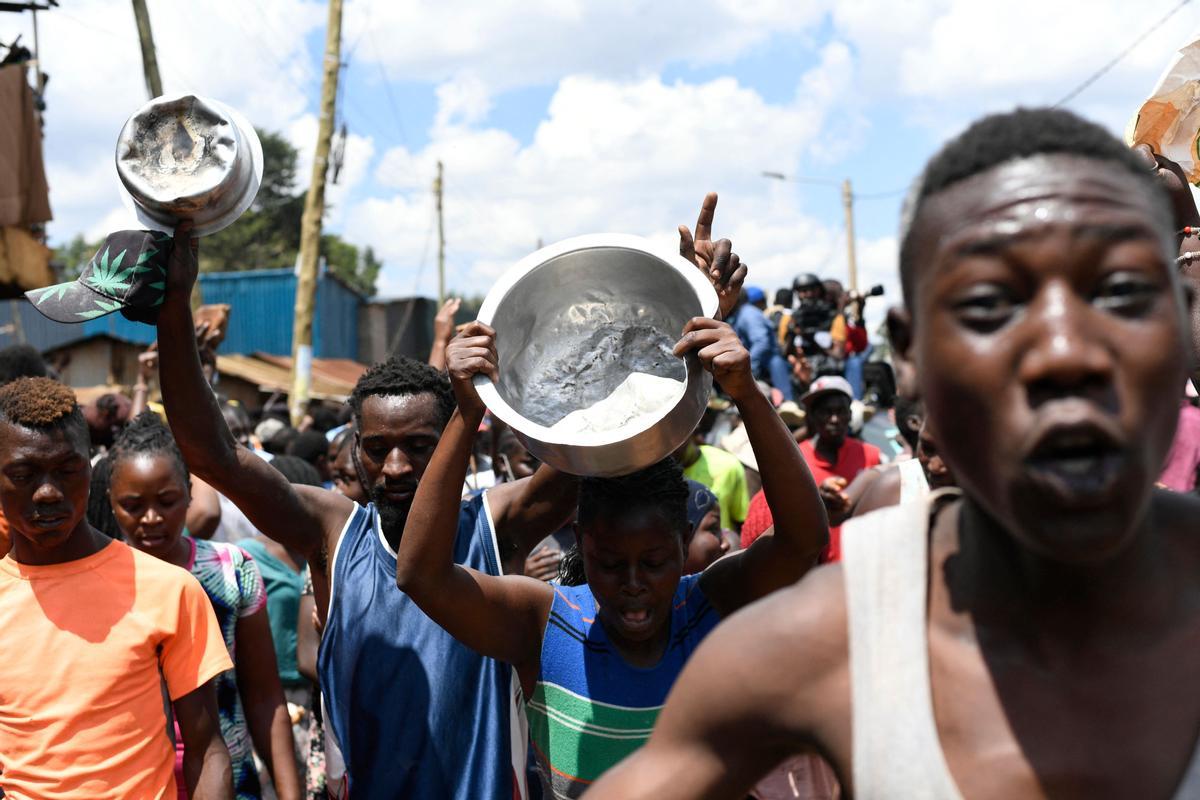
{"x":86,"y":648}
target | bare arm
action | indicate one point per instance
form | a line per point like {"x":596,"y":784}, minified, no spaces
{"x":529,"y":510}
{"x":308,"y":640}
{"x":263,"y":701}
{"x":882,"y":492}
{"x":206,"y":767}
{"x":204,"y":510}
{"x":793,"y":696}
{"x":500,"y":617}
{"x":296,"y":517}
{"x":801,"y":528}
{"x":443,"y":332}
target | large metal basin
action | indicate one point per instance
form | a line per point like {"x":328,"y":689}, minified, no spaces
{"x":572,"y":321}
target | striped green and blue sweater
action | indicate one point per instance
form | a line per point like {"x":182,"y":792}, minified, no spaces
{"x":590,"y":708}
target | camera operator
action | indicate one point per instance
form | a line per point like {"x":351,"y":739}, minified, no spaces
{"x":756,"y":333}
{"x":811,"y":322}
{"x":849,"y":333}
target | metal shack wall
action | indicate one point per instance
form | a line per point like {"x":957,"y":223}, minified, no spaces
{"x":264,"y":311}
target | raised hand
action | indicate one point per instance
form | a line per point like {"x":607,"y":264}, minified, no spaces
{"x":1171,"y":176}
{"x":471,"y":353}
{"x":543,"y":564}
{"x":183,"y":266}
{"x":443,"y":323}
{"x":720,"y":264}
{"x":721,"y":352}
{"x":837,"y":502}
{"x":148,"y":363}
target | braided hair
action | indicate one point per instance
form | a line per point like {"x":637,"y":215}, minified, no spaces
{"x":99,"y":508}
{"x":660,"y":486}
{"x":147,"y":434}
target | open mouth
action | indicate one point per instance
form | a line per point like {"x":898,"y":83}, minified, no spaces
{"x":635,"y":618}
{"x":1079,"y":463}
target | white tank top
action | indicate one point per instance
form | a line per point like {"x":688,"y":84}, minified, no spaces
{"x":896,"y":750}
{"x":913,"y":484}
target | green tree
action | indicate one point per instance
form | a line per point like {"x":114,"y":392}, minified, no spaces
{"x":358,"y":268}
{"x":268,"y":235}
{"x":70,"y":259}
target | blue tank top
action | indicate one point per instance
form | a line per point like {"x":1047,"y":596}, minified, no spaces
{"x":417,"y":714}
{"x":590,"y":708}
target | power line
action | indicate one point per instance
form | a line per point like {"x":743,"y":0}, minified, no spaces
{"x":387,"y":87}
{"x":779,"y":176}
{"x":880,"y":195}
{"x":1095,"y":76}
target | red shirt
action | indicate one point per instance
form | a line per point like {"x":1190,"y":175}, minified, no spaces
{"x":853,"y":457}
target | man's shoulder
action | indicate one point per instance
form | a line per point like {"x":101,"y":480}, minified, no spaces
{"x":800,"y":640}
{"x":162,"y":575}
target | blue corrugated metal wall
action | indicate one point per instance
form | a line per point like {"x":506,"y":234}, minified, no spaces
{"x":261,"y":322}
{"x":264,"y":303}
{"x":46,"y":335}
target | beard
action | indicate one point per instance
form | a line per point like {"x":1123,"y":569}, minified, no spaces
{"x":392,"y":516}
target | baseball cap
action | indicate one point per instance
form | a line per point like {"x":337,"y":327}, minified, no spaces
{"x":793,"y":415}
{"x":755,"y":295}
{"x":700,"y":502}
{"x":127,"y":274}
{"x":826,"y":384}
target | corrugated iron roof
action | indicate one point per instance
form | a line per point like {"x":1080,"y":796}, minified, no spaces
{"x":332,"y":378}
{"x":341,"y":370}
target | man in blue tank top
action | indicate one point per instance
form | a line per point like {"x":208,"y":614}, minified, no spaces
{"x":417,"y":715}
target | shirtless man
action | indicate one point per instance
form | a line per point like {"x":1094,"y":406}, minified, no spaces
{"x":1039,"y":636}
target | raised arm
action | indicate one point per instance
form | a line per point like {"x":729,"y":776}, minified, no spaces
{"x":497,"y":616}
{"x":297,"y":517}
{"x":529,"y":510}
{"x":801,"y":528}
{"x":443,"y":332}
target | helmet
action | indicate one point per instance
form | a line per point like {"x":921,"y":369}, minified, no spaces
{"x":806,"y":280}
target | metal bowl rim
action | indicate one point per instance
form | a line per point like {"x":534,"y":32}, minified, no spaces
{"x":490,"y":395}
{"x":250,"y":191}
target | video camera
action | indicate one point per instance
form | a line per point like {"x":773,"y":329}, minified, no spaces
{"x":856,"y":300}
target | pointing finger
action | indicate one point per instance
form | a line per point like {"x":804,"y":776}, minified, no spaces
{"x":704,"y":222}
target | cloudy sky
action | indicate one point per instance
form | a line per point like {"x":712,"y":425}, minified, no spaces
{"x":562,"y":117}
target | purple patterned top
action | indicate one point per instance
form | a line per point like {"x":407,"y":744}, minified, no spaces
{"x":235,"y":586}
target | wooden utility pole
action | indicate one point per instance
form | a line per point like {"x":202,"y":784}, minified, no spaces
{"x":310,"y":223}
{"x":149,"y":60}
{"x":851,"y":263}
{"x":437,"y":193}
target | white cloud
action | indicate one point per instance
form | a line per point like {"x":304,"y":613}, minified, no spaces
{"x":250,"y":55}
{"x":617,"y":148}
{"x":632,"y":156}
{"x":360,"y":150}
{"x":946,"y":62}
{"x":508,"y":44}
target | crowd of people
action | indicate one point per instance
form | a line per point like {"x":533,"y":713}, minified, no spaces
{"x":394,"y":599}
{"x":814,"y":329}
